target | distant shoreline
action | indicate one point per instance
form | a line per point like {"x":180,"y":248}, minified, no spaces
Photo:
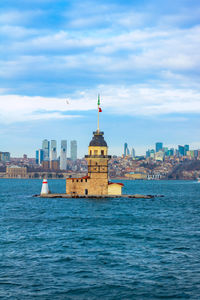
{"x":121,"y":178}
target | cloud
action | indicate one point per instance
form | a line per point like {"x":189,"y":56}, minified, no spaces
{"x":14,"y":17}
{"x":16,"y":108}
{"x":135,"y":100}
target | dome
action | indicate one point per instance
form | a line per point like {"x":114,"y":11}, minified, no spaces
{"x":98,"y":140}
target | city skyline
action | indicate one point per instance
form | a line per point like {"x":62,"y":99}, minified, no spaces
{"x":142,"y":57}
{"x":71,"y":151}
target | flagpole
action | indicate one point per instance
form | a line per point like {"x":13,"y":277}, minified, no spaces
{"x":98,"y":112}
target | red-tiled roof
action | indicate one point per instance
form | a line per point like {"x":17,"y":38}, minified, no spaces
{"x":86,"y":177}
{"x":75,"y":178}
{"x":116,"y":183}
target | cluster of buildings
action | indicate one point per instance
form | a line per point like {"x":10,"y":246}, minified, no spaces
{"x":48,"y":157}
{"x":160,"y":153}
{"x":158,"y":163}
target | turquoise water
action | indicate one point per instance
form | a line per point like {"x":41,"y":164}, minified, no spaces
{"x":92,"y":249}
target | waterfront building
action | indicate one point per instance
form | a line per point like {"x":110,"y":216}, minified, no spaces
{"x":96,"y":182}
{"x":45,"y":147}
{"x":136,"y":175}
{"x":159,"y":146}
{"x":16,"y":172}
{"x":39,"y":156}
{"x":53,"y":151}
{"x":73,"y":150}
{"x":63,"y":155}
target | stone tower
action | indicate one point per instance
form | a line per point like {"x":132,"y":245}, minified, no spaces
{"x":96,"y":182}
{"x":97,"y":159}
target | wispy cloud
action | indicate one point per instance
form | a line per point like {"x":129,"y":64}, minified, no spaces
{"x":138,"y":100}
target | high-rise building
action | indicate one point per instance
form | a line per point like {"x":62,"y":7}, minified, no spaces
{"x":53,"y":151}
{"x":39,"y":156}
{"x":186,"y":148}
{"x":159,"y":146}
{"x":133,"y":153}
{"x":45,"y":147}
{"x":181,"y":150}
{"x":73,"y":150}
{"x":126,"y":150}
{"x":172,"y":151}
{"x":152,"y":153}
{"x":4,"y":156}
{"x":63,"y":155}
{"x":147,"y":153}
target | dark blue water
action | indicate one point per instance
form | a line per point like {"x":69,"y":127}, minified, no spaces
{"x":100,"y":249}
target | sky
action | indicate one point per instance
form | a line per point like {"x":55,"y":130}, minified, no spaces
{"x":142,"y":56}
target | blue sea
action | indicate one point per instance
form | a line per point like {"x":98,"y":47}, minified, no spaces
{"x":100,"y":248}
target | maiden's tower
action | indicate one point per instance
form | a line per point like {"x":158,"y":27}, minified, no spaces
{"x":96,"y":182}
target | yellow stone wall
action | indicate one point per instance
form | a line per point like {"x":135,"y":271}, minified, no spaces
{"x":96,"y":150}
{"x":114,"y":189}
{"x":77,"y":186}
{"x":98,"y":167}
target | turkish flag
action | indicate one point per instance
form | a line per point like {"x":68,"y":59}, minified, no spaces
{"x":100,"y":110}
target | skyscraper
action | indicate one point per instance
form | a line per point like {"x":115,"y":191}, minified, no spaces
{"x":45,"y":147}
{"x":133,"y":153}
{"x":181,"y":150}
{"x":159,"y":146}
{"x":63,"y":155}
{"x":53,"y":152}
{"x":126,"y":150}
{"x":39,"y":156}
{"x":73,"y":150}
{"x":186,"y":148}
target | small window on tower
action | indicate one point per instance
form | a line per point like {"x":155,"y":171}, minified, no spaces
{"x":102,"y":152}
{"x":90,"y":152}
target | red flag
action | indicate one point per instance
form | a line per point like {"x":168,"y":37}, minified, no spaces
{"x":100,"y":110}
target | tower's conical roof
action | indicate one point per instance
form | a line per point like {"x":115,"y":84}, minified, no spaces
{"x":98,"y":139}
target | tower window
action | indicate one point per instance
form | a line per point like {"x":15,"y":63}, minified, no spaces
{"x":102,"y":152}
{"x":90,"y":152}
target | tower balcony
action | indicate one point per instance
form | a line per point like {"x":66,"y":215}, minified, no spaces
{"x":98,"y":156}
